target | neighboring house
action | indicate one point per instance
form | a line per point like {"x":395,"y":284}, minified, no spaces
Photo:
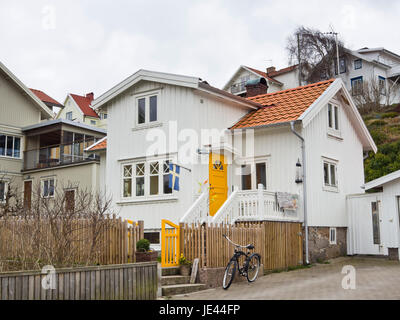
{"x":37,"y":151}
{"x":55,"y":159}
{"x":378,"y":65}
{"x":78,"y":108}
{"x":53,"y":104}
{"x":151,"y":104}
{"x":374,"y":218}
{"x":19,"y":107}
{"x":356,"y":68}
{"x":237,"y":83}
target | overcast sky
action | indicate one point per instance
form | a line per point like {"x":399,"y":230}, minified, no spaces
{"x":83,"y":46}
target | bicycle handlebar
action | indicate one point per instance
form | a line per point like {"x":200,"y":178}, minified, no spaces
{"x":235,"y":244}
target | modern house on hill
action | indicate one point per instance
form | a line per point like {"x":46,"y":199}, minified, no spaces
{"x":376,"y":66}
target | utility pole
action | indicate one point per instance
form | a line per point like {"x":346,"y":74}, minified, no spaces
{"x":337,"y":50}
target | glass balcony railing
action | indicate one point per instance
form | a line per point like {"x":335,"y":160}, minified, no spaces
{"x":238,"y":87}
{"x":57,"y":155}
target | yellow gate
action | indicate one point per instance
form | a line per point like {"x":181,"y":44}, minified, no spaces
{"x":170,"y":242}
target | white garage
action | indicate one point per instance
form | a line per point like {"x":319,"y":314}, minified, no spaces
{"x":374,"y":218}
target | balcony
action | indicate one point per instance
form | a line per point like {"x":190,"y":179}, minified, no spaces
{"x":57,"y":155}
{"x":238,"y":87}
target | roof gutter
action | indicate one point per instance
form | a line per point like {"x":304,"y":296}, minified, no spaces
{"x":303,"y":155}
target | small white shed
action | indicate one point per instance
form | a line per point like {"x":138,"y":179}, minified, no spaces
{"x":374,"y":218}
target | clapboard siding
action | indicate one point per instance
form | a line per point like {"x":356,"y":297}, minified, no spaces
{"x":327,"y":208}
{"x":191,"y":109}
{"x":136,"y":281}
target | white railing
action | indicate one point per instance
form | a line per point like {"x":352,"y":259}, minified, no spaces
{"x":198,"y":212}
{"x":253,"y":206}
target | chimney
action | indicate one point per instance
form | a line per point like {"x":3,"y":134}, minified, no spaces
{"x":90,"y":96}
{"x":271,"y":69}
{"x":256,"y":87}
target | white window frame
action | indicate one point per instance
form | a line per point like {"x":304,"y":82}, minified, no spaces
{"x":382,"y":85}
{"x":335,"y":120}
{"x":147,"y":196}
{"x":2,"y":201}
{"x":330,"y":187}
{"x":332,"y":231}
{"x":42,"y":187}
{"x":147,"y":123}
{"x":12,"y":148}
{"x":68,"y":113}
{"x":253,"y":169}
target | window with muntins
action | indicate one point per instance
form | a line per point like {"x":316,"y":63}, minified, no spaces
{"x":357,"y":86}
{"x":68,"y":115}
{"x":253,"y":175}
{"x":147,"y":109}
{"x":330,"y":175}
{"x":48,"y":188}
{"x":382,"y":85}
{"x":146,"y":179}
{"x":333,"y":117}
{"x":357,"y":64}
{"x":10,"y":146}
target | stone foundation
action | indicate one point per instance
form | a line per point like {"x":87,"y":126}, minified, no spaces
{"x":319,"y":247}
{"x":213,"y":277}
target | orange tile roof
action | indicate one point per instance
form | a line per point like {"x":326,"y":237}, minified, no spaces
{"x":84,"y":104}
{"x":45,"y":98}
{"x":282,"y":71}
{"x":100,"y":146}
{"x":282,"y":106}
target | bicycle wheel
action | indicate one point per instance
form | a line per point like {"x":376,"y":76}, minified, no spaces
{"x":230,"y":271}
{"x":253,"y":267}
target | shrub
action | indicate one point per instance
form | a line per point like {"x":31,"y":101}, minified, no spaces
{"x":143,"y":245}
{"x":390,"y":115}
{"x":378,"y":136}
{"x":378,"y":123}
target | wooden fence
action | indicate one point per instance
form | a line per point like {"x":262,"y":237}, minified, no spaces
{"x":24,"y":241}
{"x":279,"y":243}
{"x":136,"y":281}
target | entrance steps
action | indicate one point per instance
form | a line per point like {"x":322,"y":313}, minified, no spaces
{"x":172,"y":282}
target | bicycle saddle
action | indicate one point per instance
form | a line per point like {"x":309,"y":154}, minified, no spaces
{"x":250,"y":247}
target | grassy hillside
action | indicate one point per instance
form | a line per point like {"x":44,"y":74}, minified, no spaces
{"x":384,"y":127}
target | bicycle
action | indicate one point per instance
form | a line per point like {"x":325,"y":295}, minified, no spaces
{"x":250,"y":268}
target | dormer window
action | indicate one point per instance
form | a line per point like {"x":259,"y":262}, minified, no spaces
{"x":333,"y":117}
{"x":147,"y":109}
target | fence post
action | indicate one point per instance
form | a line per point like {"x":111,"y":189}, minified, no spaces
{"x":181,"y":239}
{"x":141,"y":229}
{"x":260,"y":200}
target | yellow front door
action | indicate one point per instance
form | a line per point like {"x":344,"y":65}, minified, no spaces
{"x":218,"y":174}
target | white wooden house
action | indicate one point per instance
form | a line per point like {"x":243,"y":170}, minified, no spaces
{"x":225,"y":182}
{"x":374,"y":218}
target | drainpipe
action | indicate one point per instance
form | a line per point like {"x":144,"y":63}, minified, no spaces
{"x":303,"y":155}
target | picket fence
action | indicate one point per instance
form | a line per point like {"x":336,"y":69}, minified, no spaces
{"x":22,"y":238}
{"x":280,"y":244}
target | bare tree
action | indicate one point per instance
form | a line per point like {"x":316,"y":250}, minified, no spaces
{"x":372,"y":95}
{"x":315,"y":52}
{"x":53,"y":230}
